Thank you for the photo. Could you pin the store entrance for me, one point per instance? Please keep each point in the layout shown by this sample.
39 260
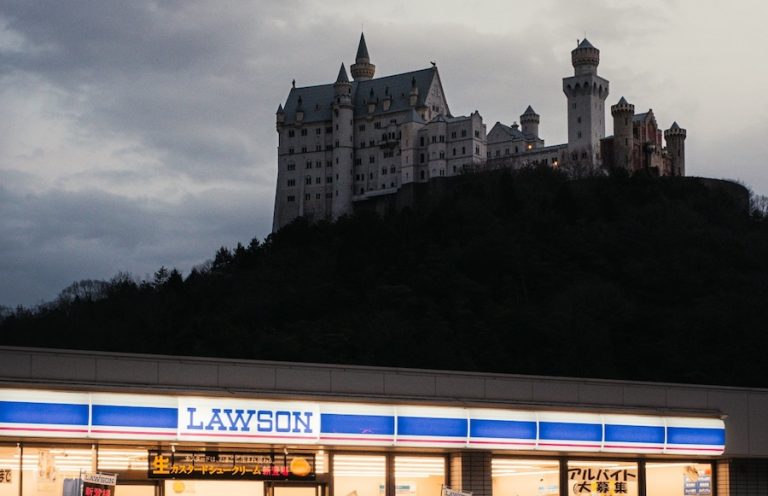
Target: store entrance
295 489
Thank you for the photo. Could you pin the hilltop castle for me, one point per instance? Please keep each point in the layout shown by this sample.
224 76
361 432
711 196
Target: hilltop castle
350 141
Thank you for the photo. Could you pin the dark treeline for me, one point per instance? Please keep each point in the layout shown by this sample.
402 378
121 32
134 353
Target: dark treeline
520 272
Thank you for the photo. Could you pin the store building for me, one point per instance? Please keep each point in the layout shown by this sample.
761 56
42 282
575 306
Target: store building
205 427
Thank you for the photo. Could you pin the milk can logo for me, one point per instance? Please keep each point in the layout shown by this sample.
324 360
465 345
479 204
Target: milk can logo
227 418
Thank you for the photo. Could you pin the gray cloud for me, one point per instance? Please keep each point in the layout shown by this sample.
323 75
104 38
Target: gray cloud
139 134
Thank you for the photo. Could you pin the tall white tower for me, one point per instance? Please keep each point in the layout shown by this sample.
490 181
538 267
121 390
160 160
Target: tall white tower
586 93
343 114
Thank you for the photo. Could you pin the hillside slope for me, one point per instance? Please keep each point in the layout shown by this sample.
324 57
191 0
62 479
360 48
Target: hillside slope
523 272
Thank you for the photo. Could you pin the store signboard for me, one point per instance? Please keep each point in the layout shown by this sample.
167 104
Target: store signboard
207 419
592 480
215 465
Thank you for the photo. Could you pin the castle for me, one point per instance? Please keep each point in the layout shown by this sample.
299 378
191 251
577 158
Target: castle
352 141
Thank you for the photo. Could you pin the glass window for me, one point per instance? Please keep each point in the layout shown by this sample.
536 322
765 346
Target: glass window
358 475
522 477
419 475
589 478
9 471
47 470
678 479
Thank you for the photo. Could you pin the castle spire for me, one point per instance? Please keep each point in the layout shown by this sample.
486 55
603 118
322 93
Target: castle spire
342 77
362 69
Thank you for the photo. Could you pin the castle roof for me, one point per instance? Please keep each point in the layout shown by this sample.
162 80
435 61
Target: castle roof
342 77
362 49
413 116
585 44
623 101
317 100
513 133
675 126
530 111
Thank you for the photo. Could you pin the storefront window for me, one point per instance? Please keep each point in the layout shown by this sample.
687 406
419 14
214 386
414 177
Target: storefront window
116 460
419 475
595 478
47 471
9 471
521 477
678 479
358 475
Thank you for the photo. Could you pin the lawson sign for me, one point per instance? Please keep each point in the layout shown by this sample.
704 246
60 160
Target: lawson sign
35 413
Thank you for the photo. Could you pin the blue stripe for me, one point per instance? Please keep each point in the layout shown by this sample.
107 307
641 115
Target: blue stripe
502 429
430 426
566 431
357 424
634 434
695 435
22 412
135 416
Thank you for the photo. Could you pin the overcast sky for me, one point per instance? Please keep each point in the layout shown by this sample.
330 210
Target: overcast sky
135 134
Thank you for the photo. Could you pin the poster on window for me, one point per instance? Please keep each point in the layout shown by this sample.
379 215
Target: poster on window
596 481
98 484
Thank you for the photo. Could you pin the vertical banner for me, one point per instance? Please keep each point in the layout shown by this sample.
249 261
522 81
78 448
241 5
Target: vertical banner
99 484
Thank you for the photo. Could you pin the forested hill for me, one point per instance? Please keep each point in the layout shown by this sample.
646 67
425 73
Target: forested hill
519 272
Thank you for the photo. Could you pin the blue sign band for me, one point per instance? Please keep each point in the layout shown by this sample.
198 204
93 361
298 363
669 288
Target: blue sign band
695 435
135 416
567 431
22 412
336 423
431 426
634 434
502 429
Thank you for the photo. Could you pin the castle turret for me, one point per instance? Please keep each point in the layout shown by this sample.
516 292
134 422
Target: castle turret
623 139
586 93
675 138
341 203
530 122
413 96
279 117
362 69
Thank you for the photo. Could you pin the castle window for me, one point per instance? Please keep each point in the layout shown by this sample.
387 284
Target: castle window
372 143
370 175
318 148
506 151
442 154
362 144
442 172
498 153
453 134
307 196
377 125
291 198
329 180
392 184
318 164
291 182
307 180
290 151
362 191
383 186
477 150
434 139
579 134
328 147
383 171
358 161
421 158
303 132
442 138
318 131
583 154
318 180
361 127
393 121
291 133
454 169
371 159
317 196
578 119
463 133
328 129
454 152
488 154
328 163
463 150
421 141
308 164
328 195
336 143
303 149
477 134
392 170
291 167
422 174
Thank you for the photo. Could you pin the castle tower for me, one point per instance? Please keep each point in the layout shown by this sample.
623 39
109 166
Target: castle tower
343 110
586 93
623 139
530 122
675 138
362 69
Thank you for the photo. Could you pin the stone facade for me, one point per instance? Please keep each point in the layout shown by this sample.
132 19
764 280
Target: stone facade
350 141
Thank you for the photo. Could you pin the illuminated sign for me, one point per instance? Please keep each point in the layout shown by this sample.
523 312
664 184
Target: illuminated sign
588 481
98 484
229 466
35 413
